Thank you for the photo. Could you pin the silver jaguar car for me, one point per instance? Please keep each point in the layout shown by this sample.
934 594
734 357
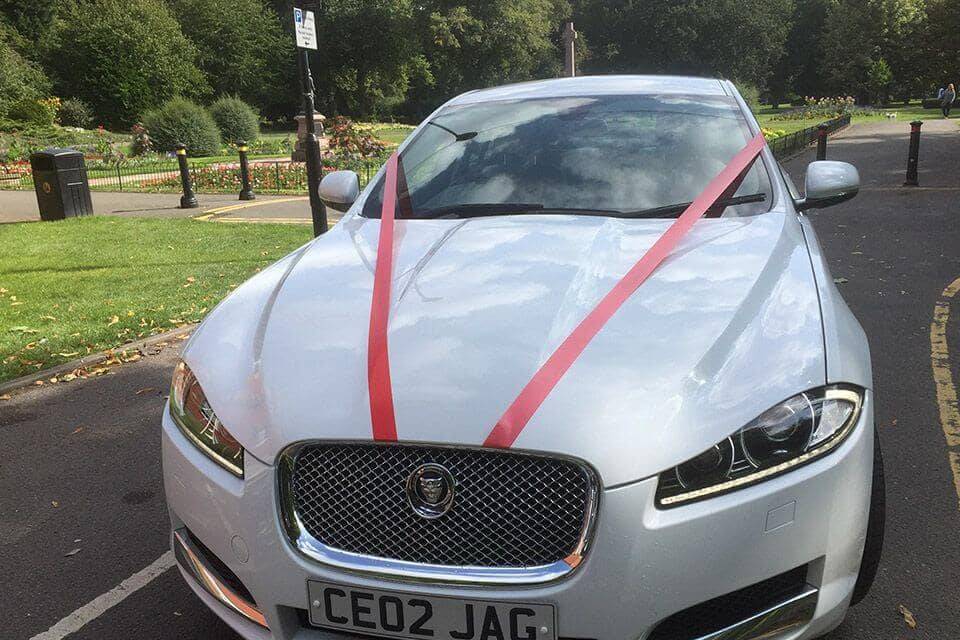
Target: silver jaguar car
571 366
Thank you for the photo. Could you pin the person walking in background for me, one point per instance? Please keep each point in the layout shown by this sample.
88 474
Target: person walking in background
947 100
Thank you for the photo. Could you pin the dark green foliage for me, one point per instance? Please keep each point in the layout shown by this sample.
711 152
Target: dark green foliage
480 43
178 121
75 113
19 78
243 50
34 19
740 39
370 51
236 119
123 57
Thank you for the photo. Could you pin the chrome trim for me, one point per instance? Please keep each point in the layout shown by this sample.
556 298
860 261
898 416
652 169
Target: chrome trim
769 624
401 570
192 561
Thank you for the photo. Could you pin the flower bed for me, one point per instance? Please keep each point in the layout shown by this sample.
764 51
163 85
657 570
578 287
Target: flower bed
824 108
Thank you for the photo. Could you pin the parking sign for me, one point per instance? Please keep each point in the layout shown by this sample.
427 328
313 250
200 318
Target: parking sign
305 28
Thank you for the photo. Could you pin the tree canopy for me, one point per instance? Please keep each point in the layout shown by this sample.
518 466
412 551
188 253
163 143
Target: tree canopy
123 57
403 58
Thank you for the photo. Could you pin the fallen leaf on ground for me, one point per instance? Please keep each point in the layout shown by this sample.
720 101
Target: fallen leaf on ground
908 617
840 280
191 279
5 396
76 431
72 552
145 390
69 355
48 318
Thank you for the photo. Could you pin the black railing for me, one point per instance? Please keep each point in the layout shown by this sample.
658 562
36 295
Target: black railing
787 145
273 176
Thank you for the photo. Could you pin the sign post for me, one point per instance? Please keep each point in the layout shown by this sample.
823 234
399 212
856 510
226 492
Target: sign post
304 23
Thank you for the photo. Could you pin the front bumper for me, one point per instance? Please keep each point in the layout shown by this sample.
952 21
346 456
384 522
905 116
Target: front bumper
644 564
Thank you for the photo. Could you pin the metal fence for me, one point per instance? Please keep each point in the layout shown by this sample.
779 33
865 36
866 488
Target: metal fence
272 176
787 145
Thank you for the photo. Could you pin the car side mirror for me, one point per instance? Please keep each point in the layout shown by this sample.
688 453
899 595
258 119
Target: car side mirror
340 189
829 183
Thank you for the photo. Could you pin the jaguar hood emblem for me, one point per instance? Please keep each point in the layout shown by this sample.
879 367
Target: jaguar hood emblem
430 490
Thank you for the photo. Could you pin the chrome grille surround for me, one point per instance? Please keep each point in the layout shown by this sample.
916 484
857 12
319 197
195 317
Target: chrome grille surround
365 523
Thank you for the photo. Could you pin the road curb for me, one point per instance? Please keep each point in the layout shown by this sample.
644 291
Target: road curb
92 359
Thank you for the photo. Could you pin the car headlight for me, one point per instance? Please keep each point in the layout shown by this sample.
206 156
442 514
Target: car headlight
192 412
792 433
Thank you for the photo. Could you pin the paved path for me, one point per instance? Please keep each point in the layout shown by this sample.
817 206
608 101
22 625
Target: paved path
92 446
21 206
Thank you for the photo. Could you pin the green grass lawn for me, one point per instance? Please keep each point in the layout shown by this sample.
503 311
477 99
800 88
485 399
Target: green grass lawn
85 285
905 113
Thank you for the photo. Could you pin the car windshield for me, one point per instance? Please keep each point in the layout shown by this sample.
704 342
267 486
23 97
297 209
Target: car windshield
623 155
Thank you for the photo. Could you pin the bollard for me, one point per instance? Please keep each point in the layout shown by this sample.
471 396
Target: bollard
822 142
188 200
246 190
913 160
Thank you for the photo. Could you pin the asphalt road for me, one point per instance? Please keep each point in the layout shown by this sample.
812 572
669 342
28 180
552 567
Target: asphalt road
80 469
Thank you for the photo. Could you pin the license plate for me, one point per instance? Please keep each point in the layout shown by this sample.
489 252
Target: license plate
408 615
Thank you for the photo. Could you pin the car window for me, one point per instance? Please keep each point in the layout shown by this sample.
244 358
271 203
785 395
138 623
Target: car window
612 154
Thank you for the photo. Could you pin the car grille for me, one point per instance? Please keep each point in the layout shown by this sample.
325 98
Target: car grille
509 510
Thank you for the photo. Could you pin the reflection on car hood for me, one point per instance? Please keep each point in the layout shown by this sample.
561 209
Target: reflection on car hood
726 327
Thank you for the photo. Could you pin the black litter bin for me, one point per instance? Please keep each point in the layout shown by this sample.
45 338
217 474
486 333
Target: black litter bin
60 180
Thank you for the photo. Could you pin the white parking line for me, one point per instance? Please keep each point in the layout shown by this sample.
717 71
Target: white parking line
102 603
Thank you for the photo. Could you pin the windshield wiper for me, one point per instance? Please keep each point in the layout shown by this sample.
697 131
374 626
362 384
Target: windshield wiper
469 135
487 209
480 210
674 210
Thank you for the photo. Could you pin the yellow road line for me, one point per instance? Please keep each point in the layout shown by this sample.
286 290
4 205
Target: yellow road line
268 220
219 211
943 378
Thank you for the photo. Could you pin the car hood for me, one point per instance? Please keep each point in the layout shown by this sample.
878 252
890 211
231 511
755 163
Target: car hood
726 327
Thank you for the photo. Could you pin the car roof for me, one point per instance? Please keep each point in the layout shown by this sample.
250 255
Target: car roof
596 85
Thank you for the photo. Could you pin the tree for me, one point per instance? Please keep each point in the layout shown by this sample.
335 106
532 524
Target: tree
942 51
123 57
33 19
471 44
19 78
799 70
370 53
867 41
739 39
242 50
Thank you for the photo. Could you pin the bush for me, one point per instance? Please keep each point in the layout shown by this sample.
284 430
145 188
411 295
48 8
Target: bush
75 113
40 112
347 137
179 120
236 119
